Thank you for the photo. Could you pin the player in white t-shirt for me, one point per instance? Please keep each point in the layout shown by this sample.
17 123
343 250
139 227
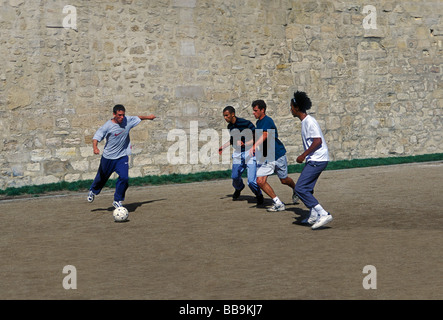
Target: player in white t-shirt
317 157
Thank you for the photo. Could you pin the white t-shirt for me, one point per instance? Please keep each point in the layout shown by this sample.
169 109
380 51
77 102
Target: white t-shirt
310 129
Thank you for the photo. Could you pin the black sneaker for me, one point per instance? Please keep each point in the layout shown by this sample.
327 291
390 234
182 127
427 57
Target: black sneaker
237 194
260 200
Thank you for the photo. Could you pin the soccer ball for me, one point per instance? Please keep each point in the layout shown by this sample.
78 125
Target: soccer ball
120 214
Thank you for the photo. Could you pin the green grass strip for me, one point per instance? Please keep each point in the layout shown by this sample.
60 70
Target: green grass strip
212 175
373 162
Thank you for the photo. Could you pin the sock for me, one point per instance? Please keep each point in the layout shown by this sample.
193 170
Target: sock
313 212
277 200
320 210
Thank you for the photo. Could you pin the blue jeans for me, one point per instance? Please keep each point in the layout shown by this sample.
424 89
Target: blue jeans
237 171
106 169
307 180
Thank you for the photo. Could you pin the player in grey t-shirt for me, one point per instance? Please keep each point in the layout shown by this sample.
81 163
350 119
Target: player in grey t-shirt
115 153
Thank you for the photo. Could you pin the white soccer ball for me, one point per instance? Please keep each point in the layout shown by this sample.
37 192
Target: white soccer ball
120 214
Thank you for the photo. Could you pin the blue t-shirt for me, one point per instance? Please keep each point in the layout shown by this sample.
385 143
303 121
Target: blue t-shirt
118 143
267 124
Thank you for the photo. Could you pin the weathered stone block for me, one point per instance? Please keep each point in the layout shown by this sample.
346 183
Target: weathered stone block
190 92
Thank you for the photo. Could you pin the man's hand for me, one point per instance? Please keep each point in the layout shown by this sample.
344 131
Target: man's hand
252 151
94 147
316 143
300 159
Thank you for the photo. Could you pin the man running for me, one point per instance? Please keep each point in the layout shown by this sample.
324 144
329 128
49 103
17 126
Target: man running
270 161
316 155
241 130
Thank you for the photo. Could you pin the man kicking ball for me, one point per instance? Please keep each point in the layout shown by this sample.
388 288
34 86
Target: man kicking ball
115 154
317 157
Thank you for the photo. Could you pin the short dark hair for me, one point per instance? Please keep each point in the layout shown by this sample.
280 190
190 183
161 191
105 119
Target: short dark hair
118 107
302 101
260 104
230 109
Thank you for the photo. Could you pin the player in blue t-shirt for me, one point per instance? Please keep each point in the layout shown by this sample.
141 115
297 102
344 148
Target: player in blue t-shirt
115 153
271 155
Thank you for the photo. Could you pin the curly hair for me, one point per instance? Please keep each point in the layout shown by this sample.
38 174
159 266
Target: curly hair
302 101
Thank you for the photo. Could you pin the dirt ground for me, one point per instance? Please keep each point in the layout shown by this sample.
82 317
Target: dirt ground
192 241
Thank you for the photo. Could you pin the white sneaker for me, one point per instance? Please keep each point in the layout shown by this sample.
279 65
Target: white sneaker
312 218
91 196
117 204
277 207
321 221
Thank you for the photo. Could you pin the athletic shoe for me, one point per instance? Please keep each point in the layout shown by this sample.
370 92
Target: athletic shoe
260 200
237 193
91 196
277 207
295 198
322 220
311 219
117 204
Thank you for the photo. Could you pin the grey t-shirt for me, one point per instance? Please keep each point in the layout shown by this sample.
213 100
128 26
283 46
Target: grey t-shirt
118 143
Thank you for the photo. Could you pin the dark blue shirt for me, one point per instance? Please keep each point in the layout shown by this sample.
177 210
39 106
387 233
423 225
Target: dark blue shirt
241 124
266 124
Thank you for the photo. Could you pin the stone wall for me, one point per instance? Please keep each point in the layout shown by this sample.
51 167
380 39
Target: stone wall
373 70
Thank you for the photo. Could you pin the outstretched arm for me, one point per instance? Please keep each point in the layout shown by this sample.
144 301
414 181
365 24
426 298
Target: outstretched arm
150 117
227 144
